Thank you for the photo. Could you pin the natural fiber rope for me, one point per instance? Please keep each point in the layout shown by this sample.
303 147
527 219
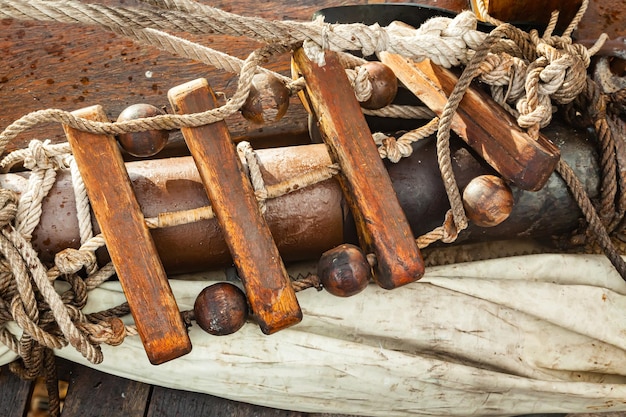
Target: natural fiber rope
551 59
298 182
445 123
254 171
595 224
164 122
82 203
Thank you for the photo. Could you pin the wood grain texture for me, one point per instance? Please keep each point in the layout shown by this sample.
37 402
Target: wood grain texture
381 223
129 243
55 65
95 394
169 403
267 284
482 123
14 394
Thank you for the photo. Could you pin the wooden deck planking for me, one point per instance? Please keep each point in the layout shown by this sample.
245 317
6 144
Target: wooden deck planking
93 393
173 403
14 394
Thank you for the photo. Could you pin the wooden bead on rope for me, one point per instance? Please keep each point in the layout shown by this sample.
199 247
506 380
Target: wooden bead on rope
344 270
384 85
268 100
221 309
142 144
488 200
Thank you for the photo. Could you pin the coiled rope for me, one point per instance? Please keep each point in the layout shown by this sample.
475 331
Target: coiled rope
527 73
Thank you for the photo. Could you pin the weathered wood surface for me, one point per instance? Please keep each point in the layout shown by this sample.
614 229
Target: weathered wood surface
53 65
481 122
268 286
382 225
14 394
129 243
92 393
95 394
166 402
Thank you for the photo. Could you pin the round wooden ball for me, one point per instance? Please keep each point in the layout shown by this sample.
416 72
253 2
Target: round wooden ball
488 200
384 85
344 270
268 100
221 309
142 144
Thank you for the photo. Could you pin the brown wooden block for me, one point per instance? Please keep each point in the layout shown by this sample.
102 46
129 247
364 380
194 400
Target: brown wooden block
129 243
267 284
482 123
382 225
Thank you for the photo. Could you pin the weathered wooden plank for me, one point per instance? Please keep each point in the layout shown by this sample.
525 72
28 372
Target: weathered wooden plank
481 122
268 287
129 243
55 65
166 402
14 394
382 225
95 394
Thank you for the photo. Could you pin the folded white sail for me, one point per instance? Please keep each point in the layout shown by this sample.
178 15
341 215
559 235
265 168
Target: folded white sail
529 334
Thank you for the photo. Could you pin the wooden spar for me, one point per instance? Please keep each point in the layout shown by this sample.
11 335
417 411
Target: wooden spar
481 122
310 221
268 287
381 224
129 243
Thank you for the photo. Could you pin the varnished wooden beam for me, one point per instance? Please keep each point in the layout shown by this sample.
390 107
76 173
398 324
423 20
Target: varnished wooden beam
481 122
382 225
267 284
129 243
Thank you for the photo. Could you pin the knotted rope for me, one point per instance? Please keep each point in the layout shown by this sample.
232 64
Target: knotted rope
527 74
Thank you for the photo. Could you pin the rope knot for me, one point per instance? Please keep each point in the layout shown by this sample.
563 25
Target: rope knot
360 80
112 332
564 74
41 156
387 147
69 261
381 38
8 206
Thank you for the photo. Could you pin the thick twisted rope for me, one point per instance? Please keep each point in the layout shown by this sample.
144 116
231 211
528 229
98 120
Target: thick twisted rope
445 122
165 122
595 223
442 41
553 72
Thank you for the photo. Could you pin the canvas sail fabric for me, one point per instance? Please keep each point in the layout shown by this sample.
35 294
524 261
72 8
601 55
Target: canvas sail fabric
521 335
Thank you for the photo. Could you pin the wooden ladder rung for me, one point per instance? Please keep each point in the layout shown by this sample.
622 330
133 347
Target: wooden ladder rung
267 284
129 242
381 223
